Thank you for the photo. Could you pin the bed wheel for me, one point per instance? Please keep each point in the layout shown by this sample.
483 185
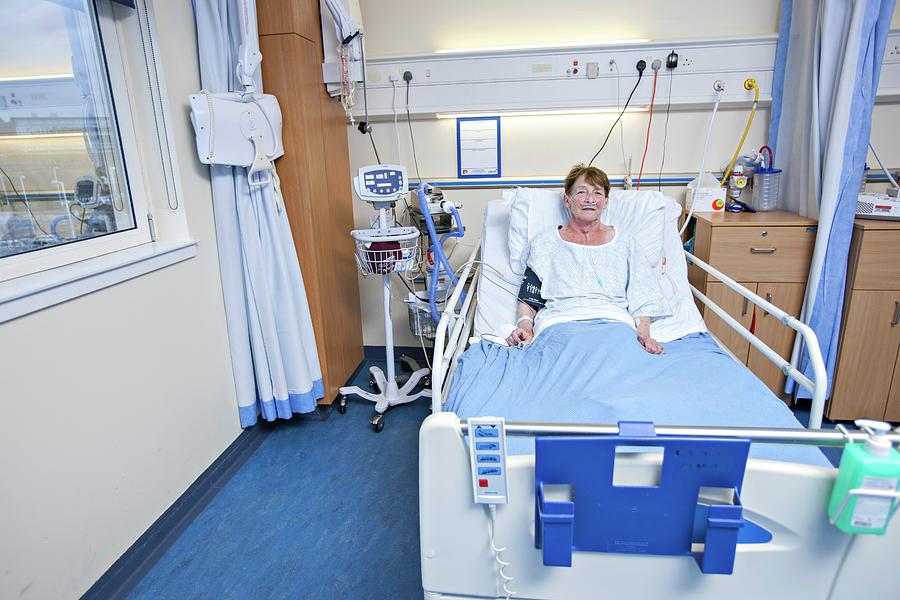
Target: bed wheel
342 405
426 381
378 423
373 385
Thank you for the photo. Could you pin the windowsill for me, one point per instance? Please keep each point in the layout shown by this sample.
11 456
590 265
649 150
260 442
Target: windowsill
31 293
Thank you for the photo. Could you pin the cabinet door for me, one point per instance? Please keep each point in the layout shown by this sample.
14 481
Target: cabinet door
892 412
867 357
789 298
736 306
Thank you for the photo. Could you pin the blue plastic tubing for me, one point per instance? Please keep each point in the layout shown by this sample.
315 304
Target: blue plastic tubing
437 249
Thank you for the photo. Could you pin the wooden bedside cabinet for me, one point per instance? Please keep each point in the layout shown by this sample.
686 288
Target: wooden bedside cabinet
867 375
769 253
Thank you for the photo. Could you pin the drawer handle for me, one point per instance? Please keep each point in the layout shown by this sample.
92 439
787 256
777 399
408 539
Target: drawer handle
747 306
769 300
763 250
896 314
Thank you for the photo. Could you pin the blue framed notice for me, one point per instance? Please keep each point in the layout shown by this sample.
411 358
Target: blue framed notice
477 147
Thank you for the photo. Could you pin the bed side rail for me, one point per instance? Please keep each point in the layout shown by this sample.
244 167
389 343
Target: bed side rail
453 329
818 385
757 435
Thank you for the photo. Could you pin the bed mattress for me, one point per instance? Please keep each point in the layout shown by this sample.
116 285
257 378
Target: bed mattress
596 372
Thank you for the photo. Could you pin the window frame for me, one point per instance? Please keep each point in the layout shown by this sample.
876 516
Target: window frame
37 261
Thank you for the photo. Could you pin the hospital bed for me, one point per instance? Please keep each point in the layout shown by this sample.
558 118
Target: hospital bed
783 493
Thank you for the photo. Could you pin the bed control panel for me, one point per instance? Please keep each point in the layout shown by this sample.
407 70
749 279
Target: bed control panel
487 452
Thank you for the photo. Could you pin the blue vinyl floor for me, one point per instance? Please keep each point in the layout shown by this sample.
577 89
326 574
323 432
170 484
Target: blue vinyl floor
323 509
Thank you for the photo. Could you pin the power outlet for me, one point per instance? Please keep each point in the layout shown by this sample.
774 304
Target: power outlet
685 63
893 53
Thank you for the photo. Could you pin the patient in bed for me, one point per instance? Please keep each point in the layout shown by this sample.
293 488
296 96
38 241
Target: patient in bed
587 270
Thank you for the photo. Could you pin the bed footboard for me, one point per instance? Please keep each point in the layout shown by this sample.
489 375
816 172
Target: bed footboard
806 558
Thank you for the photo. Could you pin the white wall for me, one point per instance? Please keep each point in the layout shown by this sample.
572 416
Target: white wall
115 402
547 146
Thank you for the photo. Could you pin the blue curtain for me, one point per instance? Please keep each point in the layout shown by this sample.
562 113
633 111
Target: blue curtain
827 65
273 350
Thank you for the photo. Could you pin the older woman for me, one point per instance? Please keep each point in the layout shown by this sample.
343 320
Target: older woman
587 270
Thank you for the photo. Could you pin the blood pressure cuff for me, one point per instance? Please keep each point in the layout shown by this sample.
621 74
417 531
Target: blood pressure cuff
530 290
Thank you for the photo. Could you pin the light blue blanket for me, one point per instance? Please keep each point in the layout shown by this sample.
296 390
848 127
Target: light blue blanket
596 372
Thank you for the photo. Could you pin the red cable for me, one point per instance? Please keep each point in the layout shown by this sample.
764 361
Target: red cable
649 122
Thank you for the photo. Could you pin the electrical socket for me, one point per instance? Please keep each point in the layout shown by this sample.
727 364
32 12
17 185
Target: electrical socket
685 63
893 54
394 76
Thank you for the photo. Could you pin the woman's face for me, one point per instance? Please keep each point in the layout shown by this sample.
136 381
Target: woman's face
585 201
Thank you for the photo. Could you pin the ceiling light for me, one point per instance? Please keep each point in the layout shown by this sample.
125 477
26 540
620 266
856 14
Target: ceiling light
39 136
36 77
540 112
543 46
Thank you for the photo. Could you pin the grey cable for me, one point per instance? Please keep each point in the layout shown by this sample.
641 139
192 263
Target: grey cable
665 134
362 49
411 136
621 124
619 118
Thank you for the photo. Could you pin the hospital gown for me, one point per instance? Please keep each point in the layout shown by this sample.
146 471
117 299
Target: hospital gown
612 281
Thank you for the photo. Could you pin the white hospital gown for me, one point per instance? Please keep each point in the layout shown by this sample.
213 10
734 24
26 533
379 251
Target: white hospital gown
613 281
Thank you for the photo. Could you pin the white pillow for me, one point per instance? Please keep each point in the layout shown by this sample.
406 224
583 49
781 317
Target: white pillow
640 213
498 286
643 215
685 318
532 210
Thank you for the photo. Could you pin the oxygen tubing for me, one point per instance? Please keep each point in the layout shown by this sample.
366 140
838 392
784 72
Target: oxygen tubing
720 89
749 84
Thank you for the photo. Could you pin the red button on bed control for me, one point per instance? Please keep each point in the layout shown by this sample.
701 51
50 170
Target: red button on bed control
482 483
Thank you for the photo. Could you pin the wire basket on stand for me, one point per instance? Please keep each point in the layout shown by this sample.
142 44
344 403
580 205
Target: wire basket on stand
385 251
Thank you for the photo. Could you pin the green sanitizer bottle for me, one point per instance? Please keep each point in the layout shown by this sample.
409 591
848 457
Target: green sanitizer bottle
873 466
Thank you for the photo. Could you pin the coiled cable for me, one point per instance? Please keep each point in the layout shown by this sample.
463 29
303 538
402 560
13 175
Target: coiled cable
502 564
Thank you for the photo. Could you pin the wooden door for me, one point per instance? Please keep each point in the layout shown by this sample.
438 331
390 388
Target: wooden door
892 411
736 306
789 298
867 359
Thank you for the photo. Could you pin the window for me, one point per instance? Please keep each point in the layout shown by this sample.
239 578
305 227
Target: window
66 137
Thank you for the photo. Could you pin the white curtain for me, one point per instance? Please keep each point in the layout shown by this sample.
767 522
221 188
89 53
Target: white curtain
826 73
273 350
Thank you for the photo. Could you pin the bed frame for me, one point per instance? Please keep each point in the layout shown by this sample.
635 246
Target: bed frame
807 557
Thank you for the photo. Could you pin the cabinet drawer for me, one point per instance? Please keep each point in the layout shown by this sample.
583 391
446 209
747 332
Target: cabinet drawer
776 254
878 267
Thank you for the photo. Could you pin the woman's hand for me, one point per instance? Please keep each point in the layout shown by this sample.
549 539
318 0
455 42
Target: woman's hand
644 338
649 344
520 335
